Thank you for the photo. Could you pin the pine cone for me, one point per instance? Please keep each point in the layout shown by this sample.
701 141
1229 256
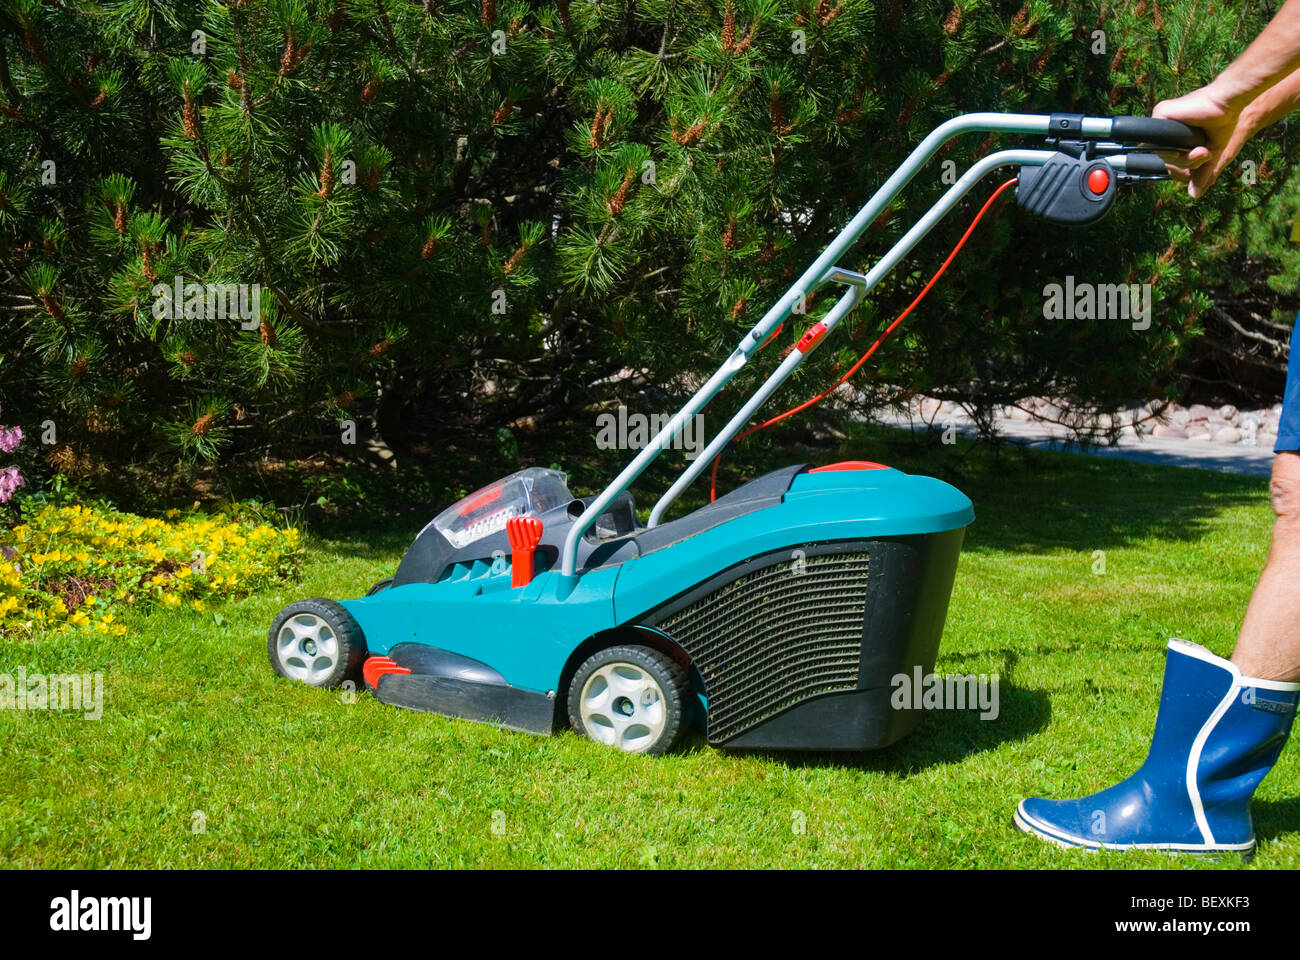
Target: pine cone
617 201
369 91
429 249
953 21
203 425
831 14
596 138
744 44
729 28
729 236
489 12
327 175
268 333
190 117
293 54
55 310
691 136
779 125
516 258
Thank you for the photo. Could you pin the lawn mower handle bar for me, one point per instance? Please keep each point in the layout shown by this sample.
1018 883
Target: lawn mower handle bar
824 270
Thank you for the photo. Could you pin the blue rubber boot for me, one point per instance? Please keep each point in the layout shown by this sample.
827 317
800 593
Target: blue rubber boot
1217 736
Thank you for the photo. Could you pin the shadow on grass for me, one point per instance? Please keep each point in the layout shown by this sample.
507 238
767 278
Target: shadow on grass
943 736
1275 819
374 540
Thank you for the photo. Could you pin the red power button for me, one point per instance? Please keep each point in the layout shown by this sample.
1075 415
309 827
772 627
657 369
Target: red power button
1098 180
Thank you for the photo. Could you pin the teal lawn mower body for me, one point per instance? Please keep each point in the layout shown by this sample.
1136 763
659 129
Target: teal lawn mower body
765 639
776 617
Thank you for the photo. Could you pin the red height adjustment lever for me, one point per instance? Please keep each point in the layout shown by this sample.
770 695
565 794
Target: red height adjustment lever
524 534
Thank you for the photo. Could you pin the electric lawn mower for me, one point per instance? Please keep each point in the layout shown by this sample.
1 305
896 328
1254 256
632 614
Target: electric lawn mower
776 615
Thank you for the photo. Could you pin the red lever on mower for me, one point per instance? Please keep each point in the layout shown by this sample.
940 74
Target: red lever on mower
524 534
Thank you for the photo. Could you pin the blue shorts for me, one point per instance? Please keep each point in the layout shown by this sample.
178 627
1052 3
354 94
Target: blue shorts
1288 430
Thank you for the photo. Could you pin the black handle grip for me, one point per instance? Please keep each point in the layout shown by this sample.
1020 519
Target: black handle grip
1156 131
1144 165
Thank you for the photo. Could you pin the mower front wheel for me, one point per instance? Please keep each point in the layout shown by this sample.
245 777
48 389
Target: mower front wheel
631 697
316 641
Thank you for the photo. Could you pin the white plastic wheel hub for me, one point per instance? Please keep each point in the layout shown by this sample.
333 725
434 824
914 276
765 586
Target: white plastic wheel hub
307 648
623 706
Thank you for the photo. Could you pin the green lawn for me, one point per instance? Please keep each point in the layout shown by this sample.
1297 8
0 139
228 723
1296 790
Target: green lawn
288 776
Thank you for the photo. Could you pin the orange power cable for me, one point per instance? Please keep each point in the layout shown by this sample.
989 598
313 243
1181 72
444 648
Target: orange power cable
713 480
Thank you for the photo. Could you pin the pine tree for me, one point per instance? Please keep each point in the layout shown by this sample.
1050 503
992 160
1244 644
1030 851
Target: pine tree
468 215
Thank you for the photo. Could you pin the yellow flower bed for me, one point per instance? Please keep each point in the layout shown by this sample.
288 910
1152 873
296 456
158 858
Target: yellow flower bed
68 567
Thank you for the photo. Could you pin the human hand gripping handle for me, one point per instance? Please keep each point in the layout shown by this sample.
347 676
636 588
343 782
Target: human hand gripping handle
1225 134
1259 87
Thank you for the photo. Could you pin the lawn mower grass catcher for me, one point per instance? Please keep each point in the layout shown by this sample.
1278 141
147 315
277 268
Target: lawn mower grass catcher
775 616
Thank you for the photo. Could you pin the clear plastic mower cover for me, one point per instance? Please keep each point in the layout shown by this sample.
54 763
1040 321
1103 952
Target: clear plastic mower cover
526 493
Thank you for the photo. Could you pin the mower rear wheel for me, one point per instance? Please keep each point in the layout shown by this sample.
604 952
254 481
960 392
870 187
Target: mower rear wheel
317 642
631 697
380 586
